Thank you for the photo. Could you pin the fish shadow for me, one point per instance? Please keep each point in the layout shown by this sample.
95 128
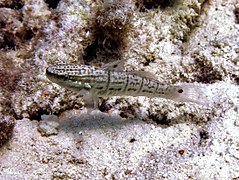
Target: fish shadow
95 121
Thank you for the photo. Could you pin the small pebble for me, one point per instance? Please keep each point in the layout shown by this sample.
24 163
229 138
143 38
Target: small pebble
48 125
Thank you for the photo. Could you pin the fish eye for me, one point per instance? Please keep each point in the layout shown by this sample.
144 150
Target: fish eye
180 91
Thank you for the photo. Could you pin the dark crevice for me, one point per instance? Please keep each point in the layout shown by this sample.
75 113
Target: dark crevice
236 12
36 115
204 136
91 52
146 63
8 42
237 80
160 119
29 34
148 59
105 107
2 24
52 3
132 140
108 45
127 111
12 4
235 77
17 38
144 5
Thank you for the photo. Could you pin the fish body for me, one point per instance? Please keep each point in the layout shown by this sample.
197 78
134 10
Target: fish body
94 81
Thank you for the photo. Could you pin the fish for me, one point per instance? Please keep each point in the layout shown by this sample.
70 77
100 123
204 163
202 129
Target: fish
93 82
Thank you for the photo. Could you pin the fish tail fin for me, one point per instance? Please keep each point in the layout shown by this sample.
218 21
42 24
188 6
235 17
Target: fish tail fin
189 92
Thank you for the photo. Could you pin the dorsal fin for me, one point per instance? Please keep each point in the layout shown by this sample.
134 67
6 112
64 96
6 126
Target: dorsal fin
145 74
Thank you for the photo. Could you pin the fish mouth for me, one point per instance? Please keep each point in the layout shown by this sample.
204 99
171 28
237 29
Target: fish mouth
55 75
50 71
50 75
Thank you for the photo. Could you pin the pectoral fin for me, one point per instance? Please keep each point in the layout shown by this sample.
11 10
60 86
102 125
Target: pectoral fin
91 100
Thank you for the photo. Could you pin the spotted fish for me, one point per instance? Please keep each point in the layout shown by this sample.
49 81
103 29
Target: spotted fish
93 82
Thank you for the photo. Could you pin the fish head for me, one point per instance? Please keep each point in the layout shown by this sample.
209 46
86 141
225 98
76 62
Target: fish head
66 76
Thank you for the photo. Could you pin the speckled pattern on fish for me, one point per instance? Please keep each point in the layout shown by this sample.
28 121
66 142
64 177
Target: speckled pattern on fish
104 82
